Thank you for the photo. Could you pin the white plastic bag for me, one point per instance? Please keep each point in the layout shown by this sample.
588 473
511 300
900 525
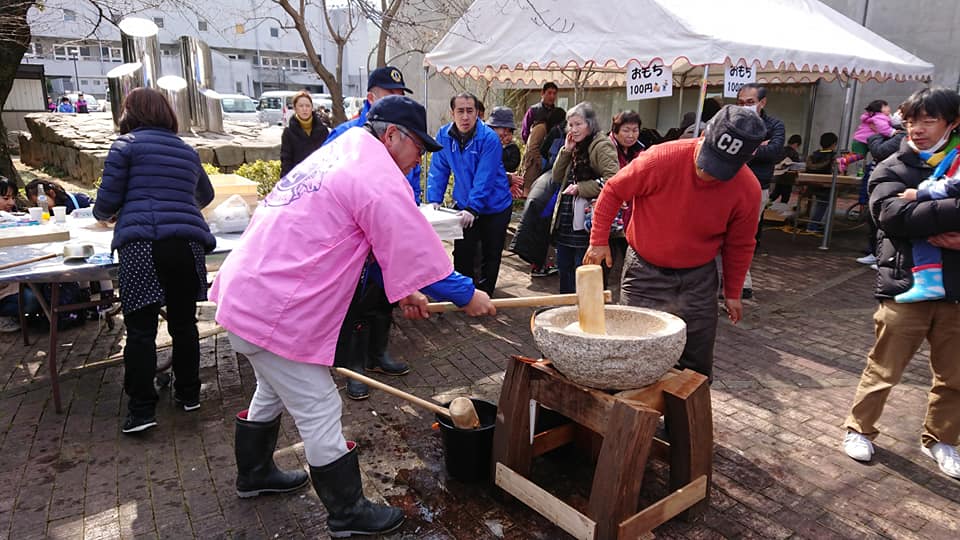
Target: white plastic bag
232 215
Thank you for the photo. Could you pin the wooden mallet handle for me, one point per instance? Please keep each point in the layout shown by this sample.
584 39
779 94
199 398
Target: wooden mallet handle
464 417
523 301
28 261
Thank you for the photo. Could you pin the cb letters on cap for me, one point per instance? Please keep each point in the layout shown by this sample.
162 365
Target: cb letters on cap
729 144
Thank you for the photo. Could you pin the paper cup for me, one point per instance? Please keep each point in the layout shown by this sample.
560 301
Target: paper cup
36 213
60 214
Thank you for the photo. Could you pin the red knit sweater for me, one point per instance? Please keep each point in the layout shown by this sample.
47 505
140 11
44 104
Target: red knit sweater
680 220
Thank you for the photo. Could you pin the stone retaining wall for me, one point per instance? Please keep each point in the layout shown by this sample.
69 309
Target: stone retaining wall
78 144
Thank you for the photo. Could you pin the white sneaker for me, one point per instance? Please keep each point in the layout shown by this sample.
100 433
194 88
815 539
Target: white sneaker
868 259
873 266
945 456
9 324
858 446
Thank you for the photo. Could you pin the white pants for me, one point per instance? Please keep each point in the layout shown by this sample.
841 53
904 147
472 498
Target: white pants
747 281
307 391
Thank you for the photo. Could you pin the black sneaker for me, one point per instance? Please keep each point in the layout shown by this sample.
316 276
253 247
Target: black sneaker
746 294
136 424
187 404
543 271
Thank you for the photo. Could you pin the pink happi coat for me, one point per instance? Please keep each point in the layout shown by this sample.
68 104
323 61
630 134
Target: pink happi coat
286 288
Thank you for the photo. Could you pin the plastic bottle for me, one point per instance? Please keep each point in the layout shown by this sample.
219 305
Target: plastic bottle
42 202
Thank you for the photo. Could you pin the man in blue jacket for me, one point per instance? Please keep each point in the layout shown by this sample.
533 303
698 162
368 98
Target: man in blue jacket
382 82
481 191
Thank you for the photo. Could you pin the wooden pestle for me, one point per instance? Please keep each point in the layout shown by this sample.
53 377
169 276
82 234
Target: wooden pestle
461 412
590 299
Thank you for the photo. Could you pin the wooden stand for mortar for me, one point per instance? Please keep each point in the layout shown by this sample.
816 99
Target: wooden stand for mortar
627 422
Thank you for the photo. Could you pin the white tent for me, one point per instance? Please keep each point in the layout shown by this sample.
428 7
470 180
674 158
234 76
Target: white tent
529 41
589 43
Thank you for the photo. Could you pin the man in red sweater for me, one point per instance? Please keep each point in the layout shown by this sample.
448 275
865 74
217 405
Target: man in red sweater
692 200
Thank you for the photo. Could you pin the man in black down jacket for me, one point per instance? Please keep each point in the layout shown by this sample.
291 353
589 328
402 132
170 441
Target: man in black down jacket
931 116
754 96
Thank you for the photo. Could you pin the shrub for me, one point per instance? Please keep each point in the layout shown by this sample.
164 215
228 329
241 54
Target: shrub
265 173
210 168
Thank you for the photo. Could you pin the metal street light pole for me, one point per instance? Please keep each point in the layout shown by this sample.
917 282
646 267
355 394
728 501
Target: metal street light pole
76 75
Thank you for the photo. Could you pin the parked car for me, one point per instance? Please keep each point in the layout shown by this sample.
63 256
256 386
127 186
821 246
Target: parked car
239 108
92 104
275 106
352 106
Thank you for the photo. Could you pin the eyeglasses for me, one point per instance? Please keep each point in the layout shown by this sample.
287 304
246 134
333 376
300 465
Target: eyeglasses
925 122
420 147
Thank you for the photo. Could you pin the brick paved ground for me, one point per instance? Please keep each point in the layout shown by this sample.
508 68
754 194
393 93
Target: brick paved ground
784 380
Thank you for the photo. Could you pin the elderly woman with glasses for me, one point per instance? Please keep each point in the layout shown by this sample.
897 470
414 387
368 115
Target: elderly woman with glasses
587 160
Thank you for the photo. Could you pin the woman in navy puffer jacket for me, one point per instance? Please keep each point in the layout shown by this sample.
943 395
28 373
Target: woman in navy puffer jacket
154 187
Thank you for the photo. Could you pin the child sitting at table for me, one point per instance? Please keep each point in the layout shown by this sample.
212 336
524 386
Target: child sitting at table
57 195
821 162
927 269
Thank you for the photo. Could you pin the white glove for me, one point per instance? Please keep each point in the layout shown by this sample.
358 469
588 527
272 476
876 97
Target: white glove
466 219
434 205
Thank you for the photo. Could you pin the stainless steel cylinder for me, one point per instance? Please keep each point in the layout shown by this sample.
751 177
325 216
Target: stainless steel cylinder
198 71
122 80
175 90
139 42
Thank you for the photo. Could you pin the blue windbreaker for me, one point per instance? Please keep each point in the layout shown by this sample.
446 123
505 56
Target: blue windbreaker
480 181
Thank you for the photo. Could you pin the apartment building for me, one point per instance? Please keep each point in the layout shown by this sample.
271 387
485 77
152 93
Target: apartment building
252 51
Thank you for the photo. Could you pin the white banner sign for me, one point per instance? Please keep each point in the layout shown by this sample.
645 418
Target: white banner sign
653 81
735 77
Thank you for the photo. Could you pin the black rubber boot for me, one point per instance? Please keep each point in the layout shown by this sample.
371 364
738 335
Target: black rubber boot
352 347
378 359
257 474
339 486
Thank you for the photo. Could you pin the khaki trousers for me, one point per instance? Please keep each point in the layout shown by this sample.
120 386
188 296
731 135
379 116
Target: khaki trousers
900 330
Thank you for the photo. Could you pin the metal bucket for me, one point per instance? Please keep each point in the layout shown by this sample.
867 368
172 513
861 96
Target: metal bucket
467 452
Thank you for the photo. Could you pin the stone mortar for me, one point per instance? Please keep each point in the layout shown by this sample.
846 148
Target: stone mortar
640 346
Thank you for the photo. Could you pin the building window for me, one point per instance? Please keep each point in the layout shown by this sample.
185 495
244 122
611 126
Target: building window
111 54
202 26
158 21
274 32
97 82
34 50
239 87
232 56
69 15
64 52
84 82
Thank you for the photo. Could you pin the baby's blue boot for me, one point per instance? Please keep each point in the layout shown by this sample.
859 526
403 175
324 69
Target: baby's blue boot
927 285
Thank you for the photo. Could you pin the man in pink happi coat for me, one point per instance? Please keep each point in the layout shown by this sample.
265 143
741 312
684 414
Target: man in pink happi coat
283 293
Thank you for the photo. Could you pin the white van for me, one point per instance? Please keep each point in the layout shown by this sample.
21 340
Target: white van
239 108
275 105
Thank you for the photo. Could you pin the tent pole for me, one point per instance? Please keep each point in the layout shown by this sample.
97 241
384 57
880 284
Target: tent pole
846 119
703 96
808 125
683 79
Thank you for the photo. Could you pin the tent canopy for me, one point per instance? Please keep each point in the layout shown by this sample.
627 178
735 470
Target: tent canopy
529 42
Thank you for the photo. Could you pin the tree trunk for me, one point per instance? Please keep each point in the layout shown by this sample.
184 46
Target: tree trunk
389 13
14 39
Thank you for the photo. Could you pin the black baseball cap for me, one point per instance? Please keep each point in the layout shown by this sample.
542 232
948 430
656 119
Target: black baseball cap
387 77
404 111
729 141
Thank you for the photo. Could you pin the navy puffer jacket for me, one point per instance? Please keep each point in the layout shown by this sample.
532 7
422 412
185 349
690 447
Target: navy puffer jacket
155 182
